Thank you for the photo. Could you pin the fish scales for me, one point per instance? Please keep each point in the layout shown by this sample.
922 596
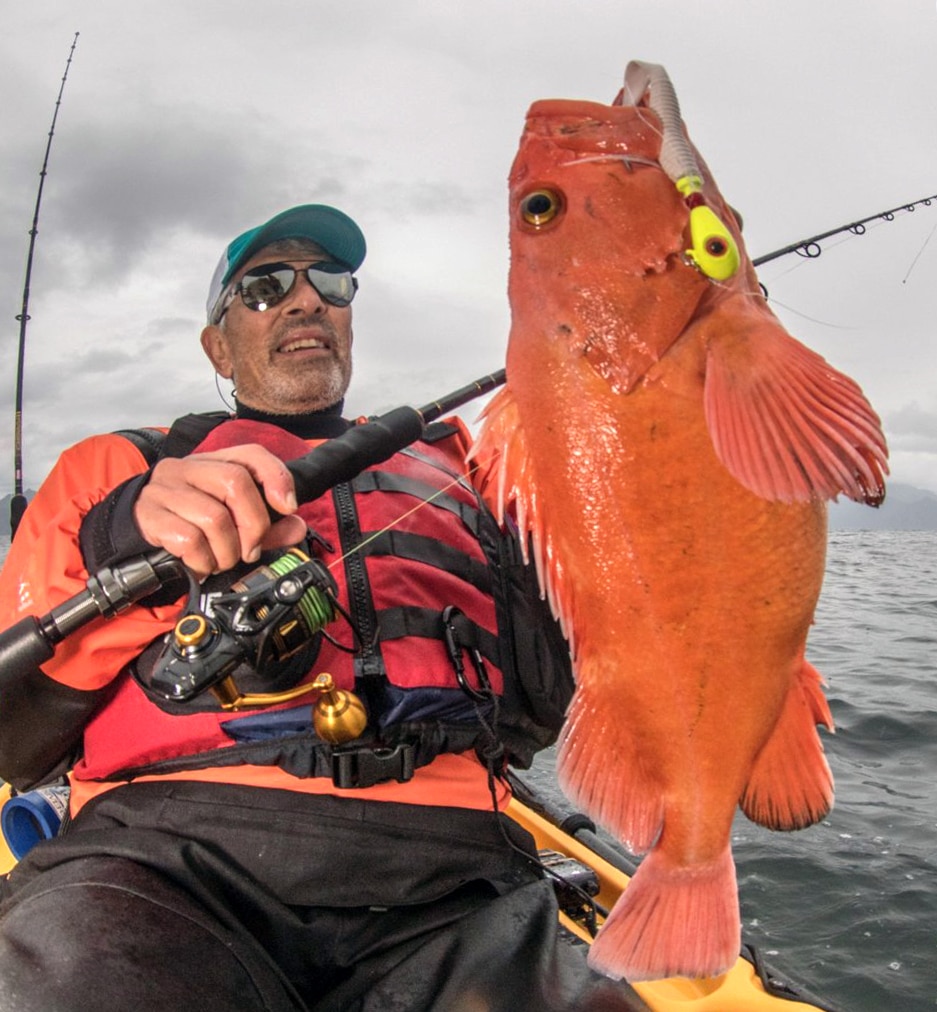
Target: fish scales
669 448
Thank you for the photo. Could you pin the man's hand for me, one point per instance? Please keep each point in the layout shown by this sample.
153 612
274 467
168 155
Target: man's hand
208 508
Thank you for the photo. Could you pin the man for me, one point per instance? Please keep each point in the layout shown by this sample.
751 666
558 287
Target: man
232 859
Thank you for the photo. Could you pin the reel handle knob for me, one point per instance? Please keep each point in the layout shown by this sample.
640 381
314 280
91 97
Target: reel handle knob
339 715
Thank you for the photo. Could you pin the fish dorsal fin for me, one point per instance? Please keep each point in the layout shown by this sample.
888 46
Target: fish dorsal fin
786 424
507 482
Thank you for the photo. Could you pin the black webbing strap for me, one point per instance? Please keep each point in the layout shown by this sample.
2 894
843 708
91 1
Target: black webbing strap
185 434
148 441
387 481
409 620
189 431
419 548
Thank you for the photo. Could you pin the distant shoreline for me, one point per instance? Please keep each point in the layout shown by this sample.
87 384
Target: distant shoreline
906 508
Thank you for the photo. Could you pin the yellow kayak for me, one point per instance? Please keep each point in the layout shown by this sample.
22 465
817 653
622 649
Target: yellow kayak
748 987
7 860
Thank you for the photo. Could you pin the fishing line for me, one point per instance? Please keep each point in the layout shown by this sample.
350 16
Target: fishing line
813 319
639 109
403 516
763 293
628 161
918 257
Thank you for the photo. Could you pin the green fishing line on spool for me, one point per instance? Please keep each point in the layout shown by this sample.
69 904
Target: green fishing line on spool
316 608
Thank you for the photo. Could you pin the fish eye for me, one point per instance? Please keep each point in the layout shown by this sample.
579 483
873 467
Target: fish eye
540 207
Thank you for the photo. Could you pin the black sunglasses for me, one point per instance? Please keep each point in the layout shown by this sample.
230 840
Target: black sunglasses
267 285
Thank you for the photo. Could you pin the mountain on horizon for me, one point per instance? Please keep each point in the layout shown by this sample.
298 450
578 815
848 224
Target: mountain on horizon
906 508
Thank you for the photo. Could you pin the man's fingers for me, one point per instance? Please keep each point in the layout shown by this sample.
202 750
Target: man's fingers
209 510
267 471
285 532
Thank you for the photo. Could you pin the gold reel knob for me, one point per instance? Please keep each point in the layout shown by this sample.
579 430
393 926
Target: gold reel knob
339 715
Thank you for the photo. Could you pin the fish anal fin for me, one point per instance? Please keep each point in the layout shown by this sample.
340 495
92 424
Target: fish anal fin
600 769
791 786
672 920
786 424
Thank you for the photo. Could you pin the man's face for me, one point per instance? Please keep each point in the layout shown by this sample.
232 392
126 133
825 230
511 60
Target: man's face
292 358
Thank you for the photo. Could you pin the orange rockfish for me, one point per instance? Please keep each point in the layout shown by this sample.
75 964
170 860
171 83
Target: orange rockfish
669 449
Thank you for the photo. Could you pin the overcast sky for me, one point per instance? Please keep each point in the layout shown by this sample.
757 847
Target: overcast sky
183 123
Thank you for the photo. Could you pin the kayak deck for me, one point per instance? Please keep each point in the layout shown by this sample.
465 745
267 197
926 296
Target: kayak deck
748 987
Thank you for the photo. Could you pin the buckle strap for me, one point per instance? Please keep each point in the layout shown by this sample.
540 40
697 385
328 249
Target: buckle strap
365 767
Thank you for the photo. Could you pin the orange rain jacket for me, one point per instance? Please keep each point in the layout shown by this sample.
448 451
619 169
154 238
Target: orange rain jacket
127 734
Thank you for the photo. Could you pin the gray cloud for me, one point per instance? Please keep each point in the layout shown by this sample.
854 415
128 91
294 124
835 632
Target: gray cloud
184 123
912 428
128 187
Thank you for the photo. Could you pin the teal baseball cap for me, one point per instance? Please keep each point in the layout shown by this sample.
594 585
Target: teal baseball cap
326 226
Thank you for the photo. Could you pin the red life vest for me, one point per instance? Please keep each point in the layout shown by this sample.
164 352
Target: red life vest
406 539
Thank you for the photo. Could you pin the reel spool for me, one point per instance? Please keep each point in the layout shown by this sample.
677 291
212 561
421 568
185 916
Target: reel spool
267 616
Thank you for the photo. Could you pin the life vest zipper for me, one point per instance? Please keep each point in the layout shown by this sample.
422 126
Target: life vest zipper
368 663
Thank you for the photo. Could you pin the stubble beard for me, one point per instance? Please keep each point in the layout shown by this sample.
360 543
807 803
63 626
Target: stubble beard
315 385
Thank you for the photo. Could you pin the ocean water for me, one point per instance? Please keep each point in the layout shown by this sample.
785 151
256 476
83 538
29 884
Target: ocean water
848 908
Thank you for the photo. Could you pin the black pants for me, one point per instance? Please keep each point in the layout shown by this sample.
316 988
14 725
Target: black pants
127 912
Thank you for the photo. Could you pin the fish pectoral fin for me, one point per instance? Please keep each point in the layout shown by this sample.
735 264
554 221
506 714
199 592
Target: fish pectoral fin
672 920
784 423
600 768
495 453
791 786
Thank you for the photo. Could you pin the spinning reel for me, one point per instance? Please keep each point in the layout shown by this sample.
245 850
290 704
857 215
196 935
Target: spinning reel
266 617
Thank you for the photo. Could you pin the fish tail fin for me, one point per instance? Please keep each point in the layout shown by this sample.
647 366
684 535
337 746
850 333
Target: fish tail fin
600 769
672 921
791 785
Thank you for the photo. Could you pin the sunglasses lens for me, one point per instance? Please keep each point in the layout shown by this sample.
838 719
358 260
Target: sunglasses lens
270 284
333 282
261 291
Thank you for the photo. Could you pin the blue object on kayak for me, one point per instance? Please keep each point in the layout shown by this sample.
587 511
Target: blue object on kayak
28 818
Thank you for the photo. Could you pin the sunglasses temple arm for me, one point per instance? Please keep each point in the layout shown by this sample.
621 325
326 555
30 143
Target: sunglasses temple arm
346 456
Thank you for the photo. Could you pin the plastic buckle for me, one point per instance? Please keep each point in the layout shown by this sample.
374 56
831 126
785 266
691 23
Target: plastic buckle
365 767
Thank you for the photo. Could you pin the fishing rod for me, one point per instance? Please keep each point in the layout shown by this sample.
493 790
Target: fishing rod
32 640
811 248
295 588
346 456
18 503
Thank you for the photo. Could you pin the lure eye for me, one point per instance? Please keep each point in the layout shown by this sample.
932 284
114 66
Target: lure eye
714 251
540 207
